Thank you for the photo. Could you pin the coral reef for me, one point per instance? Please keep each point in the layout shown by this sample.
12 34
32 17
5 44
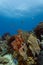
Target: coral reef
24 48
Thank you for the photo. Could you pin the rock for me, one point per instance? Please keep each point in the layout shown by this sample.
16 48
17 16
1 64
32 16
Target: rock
40 58
41 44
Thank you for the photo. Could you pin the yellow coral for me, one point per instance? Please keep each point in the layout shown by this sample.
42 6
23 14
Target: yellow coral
30 61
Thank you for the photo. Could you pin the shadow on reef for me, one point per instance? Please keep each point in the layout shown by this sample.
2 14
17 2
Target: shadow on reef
24 48
39 30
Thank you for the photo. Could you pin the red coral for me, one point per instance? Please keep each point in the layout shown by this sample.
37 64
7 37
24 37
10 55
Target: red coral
16 44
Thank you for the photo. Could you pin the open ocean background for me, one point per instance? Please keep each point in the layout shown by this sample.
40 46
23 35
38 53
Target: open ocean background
20 14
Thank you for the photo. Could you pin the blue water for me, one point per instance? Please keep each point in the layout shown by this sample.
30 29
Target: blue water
15 15
11 25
